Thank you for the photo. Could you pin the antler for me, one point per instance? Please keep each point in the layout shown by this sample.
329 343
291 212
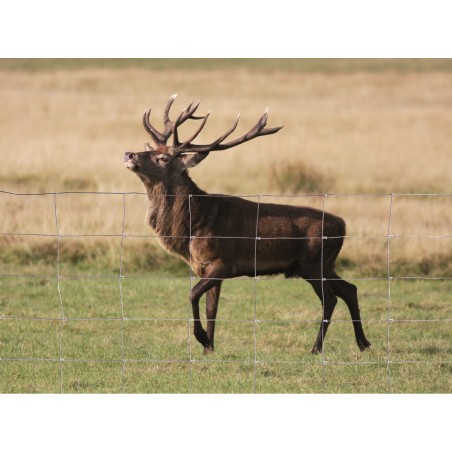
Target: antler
187 146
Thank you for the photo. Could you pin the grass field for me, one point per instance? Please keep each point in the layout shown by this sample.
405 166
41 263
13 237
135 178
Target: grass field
371 127
271 355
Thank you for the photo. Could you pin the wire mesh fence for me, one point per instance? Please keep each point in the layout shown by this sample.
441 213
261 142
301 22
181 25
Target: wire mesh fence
70 327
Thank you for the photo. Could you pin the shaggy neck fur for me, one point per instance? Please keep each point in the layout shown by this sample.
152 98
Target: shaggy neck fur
170 204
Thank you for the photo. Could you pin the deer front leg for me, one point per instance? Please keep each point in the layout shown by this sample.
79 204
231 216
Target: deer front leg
206 284
212 297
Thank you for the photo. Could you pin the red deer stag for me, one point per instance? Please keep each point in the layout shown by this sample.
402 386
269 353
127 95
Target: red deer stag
196 226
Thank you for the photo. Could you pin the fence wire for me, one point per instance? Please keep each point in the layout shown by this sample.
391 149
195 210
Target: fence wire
254 321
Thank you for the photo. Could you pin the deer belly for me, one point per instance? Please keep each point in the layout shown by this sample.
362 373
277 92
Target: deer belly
268 257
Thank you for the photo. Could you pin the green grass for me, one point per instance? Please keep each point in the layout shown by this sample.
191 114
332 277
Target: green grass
156 342
270 356
306 65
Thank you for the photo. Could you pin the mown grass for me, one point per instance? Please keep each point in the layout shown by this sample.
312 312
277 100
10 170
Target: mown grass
146 321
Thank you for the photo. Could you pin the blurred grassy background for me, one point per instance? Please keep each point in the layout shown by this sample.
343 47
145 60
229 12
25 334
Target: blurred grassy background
350 126
331 65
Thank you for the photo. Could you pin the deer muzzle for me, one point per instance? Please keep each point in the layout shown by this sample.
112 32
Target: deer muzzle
128 160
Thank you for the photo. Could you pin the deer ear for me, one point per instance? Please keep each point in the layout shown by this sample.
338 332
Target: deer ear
191 160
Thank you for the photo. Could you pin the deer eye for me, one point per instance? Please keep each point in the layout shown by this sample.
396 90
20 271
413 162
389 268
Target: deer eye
162 157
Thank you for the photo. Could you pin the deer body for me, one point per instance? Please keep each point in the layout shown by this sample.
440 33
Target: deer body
225 236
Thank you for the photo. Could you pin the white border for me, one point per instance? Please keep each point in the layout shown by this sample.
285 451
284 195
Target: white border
224 423
200 28
283 28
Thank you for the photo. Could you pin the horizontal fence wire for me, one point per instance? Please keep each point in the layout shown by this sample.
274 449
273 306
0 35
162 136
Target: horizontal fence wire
254 360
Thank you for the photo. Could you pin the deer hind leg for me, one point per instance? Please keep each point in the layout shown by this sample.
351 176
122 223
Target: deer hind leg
329 301
349 293
212 298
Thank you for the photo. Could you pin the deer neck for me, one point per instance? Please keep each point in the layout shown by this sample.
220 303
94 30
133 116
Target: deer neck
169 211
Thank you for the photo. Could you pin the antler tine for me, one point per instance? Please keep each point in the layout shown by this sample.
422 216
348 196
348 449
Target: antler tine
167 109
168 124
258 126
174 127
156 136
189 112
222 138
186 143
256 131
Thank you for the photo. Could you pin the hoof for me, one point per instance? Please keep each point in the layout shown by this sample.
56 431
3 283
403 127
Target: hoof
202 338
208 350
363 344
315 350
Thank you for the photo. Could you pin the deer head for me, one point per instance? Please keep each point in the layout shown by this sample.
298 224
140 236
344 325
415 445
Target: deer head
155 162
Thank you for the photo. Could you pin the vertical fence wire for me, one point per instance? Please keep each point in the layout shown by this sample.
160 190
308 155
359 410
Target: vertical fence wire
121 298
322 285
388 333
189 315
60 298
255 295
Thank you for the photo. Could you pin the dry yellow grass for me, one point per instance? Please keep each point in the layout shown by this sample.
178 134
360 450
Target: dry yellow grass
372 133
